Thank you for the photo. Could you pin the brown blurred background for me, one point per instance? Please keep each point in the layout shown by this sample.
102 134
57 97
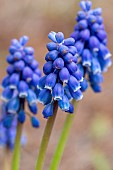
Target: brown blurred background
90 145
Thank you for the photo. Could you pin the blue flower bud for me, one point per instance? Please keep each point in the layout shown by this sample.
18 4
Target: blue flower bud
13 105
94 43
81 68
31 97
96 88
84 85
28 59
63 50
83 24
77 95
41 83
52 37
23 89
15 43
35 122
73 84
5 81
19 65
33 108
67 93
35 80
72 50
75 35
14 80
29 50
91 19
50 81
7 94
95 27
48 110
58 63
7 121
78 75
10 59
83 5
101 34
68 58
17 56
72 67
21 116
86 58
12 49
58 92
48 67
104 52
85 34
69 42
34 64
64 75
45 96
99 20
52 55
96 78
97 11
81 15
88 5
38 72
27 74
105 64
10 69
71 108
52 46
80 46
64 103
59 37
23 40
95 66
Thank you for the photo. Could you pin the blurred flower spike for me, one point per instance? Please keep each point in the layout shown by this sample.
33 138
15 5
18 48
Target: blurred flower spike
91 43
7 135
62 78
20 85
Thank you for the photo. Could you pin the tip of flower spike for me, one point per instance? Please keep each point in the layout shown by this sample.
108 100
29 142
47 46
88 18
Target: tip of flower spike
51 36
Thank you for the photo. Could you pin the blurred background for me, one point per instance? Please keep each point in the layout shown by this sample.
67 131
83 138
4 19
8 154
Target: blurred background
90 145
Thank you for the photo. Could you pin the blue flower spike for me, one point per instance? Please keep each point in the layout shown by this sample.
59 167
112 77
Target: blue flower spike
20 85
8 124
62 75
91 43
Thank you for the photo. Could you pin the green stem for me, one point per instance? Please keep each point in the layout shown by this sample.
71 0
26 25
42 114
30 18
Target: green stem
7 156
62 141
16 152
45 139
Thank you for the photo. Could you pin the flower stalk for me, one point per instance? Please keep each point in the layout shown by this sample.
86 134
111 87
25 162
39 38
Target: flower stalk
16 153
45 139
62 141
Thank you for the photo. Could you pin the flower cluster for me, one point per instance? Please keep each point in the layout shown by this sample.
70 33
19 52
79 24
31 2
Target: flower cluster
20 84
7 135
62 76
91 43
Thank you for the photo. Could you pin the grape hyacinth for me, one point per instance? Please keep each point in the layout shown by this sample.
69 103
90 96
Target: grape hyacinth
62 78
7 135
91 43
20 85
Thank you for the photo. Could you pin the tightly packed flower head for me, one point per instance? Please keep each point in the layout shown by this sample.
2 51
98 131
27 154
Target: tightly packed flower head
7 135
91 43
62 76
20 84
